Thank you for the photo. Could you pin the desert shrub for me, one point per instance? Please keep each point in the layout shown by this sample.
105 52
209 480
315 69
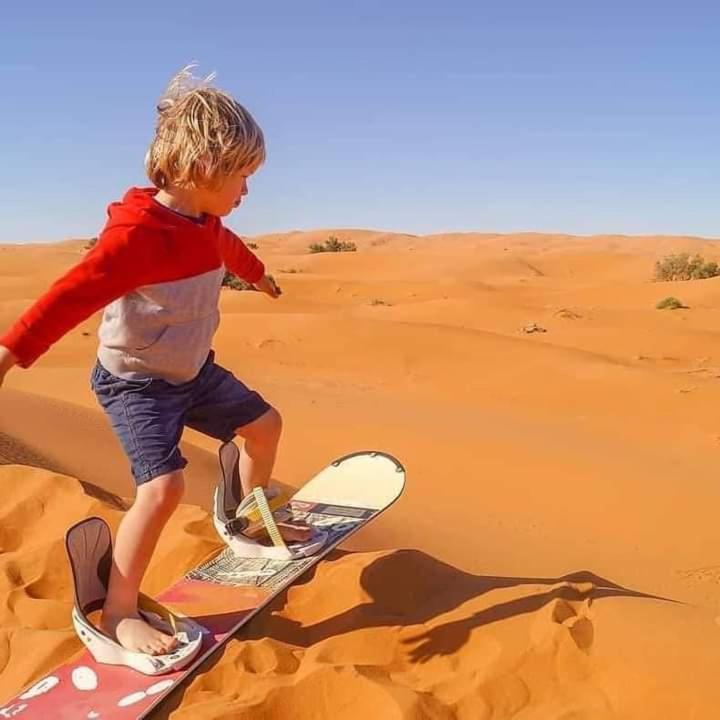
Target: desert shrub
333 244
683 267
669 303
233 282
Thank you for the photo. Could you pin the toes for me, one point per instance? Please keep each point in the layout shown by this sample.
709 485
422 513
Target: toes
168 642
157 648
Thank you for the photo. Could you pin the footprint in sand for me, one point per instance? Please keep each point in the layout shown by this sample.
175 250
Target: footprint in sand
573 616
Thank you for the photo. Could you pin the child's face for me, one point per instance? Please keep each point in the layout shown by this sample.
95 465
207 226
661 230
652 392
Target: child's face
222 200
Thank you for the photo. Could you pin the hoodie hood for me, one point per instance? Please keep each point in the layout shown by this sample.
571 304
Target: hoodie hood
139 208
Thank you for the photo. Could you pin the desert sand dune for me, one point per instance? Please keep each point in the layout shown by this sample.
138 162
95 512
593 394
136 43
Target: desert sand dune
556 553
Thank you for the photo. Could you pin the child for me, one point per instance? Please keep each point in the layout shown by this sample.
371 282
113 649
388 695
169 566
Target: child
157 269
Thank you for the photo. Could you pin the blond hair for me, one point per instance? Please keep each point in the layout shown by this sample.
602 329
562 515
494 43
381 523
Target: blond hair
202 134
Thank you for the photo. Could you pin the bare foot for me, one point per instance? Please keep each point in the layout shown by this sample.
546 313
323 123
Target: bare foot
133 633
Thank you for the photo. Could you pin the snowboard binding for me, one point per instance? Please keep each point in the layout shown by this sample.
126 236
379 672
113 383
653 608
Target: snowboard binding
89 548
249 525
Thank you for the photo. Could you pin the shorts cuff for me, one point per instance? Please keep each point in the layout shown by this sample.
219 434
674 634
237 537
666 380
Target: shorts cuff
150 473
253 408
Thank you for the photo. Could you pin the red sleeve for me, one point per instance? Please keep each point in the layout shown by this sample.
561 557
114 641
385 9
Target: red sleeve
118 263
239 259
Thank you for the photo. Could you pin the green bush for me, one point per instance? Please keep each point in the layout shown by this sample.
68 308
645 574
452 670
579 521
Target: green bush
684 267
333 244
233 282
670 303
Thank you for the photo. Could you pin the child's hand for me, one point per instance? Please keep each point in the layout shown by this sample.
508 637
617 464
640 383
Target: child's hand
7 360
269 287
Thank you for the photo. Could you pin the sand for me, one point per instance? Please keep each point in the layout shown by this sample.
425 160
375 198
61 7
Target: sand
556 553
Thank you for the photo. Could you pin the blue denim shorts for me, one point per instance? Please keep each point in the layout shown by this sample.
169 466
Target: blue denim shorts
149 415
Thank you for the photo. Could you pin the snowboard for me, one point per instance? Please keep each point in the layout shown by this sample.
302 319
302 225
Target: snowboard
222 594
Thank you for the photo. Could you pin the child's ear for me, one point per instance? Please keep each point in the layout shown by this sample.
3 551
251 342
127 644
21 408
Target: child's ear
205 172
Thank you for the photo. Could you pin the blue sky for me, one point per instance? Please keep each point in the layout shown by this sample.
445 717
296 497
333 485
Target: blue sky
409 116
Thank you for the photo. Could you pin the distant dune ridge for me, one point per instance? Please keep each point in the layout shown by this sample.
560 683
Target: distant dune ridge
556 553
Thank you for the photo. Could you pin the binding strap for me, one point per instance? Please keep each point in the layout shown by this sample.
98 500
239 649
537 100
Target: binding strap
267 518
149 605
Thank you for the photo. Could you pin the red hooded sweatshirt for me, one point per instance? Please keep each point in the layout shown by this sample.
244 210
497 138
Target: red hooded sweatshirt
158 275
